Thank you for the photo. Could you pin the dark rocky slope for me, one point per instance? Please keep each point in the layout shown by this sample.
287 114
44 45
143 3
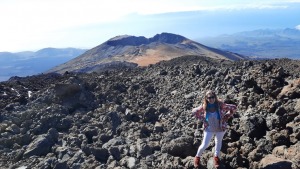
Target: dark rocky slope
141 117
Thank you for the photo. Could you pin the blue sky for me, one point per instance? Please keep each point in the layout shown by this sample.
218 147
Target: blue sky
30 25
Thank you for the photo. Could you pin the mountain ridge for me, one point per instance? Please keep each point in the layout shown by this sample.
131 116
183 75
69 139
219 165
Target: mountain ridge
29 63
262 43
142 51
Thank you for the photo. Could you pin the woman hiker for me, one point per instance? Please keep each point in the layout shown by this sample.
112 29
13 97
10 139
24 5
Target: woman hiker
214 114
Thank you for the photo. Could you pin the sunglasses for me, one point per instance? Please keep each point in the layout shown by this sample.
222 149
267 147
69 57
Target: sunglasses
212 97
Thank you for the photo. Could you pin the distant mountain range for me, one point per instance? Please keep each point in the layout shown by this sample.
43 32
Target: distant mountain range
140 51
266 43
30 63
132 51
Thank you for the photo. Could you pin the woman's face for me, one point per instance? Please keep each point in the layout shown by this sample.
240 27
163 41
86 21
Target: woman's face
211 98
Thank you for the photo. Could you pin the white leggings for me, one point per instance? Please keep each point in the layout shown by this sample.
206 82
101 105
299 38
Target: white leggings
206 139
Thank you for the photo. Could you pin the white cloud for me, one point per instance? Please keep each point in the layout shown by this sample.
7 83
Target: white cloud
298 27
32 23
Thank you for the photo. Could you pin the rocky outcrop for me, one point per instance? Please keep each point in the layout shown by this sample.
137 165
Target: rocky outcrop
168 38
141 117
127 40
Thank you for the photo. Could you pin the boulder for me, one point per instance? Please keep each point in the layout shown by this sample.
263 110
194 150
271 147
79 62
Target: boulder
272 162
180 147
42 145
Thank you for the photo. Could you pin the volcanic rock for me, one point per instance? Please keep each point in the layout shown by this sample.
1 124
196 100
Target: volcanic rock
141 117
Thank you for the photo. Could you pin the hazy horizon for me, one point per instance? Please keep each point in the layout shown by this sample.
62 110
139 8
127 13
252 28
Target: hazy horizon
32 25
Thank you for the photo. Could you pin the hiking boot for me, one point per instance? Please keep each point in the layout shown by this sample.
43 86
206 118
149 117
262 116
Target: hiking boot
217 161
197 162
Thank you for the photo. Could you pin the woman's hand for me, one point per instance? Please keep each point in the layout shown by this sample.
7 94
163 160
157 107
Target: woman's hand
196 111
228 115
